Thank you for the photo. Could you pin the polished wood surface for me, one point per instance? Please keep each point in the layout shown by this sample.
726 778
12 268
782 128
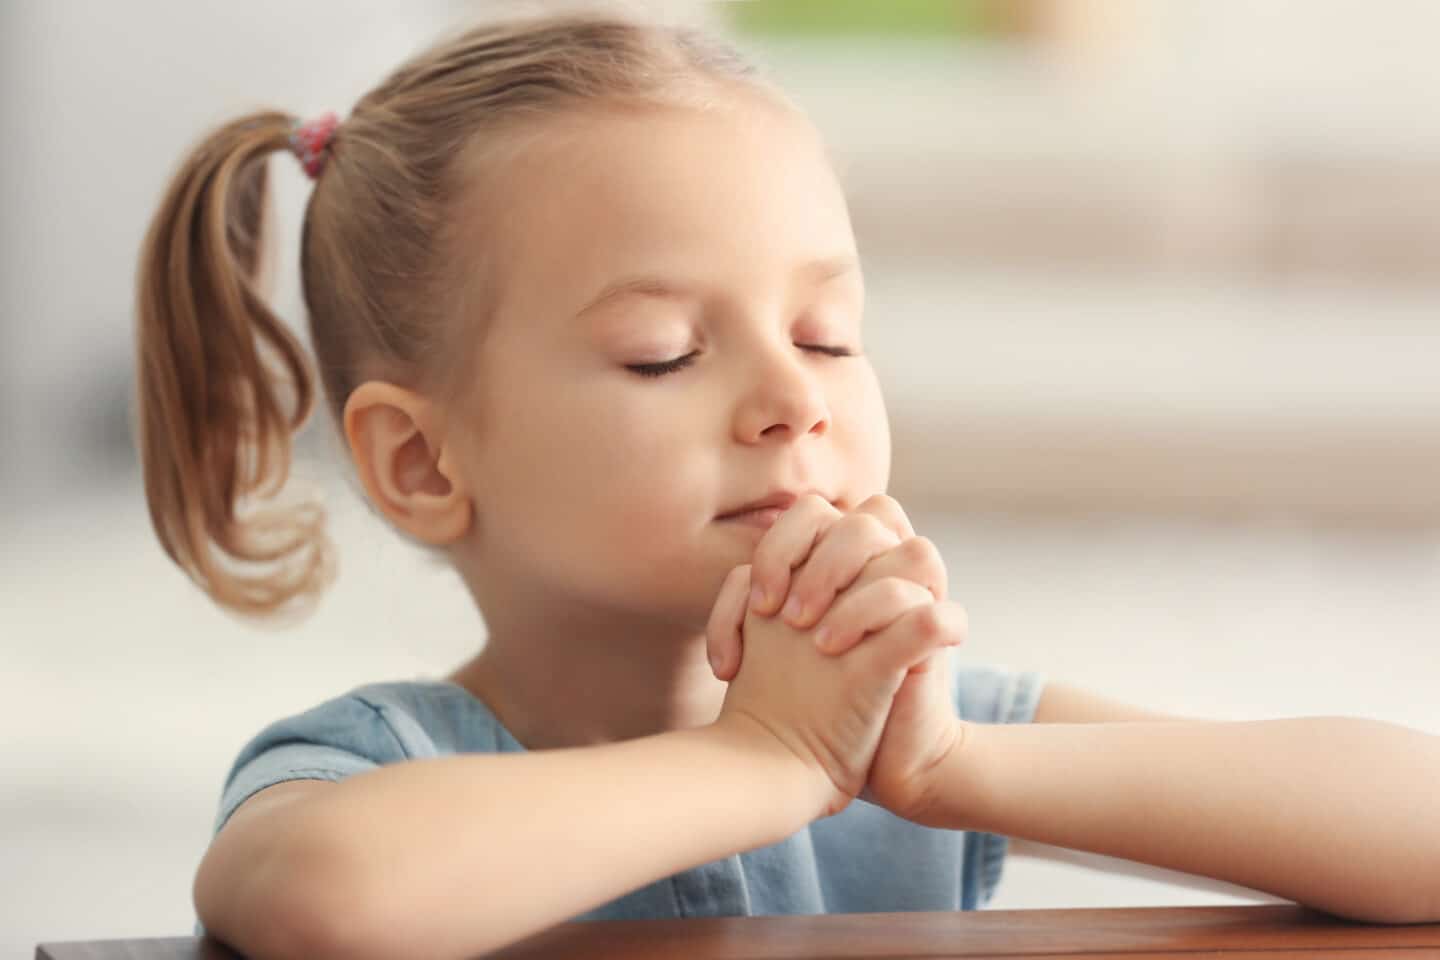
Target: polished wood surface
1267 932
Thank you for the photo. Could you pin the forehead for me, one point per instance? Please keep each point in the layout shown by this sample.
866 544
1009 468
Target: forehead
734 198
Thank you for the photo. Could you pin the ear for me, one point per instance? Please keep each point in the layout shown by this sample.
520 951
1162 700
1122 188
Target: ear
397 441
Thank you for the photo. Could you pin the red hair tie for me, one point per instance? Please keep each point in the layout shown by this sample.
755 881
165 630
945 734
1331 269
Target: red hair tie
308 142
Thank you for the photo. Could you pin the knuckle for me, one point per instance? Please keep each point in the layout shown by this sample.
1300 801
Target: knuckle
921 548
950 622
925 554
880 501
920 555
888 510
959 620
875 529
895 591
928 622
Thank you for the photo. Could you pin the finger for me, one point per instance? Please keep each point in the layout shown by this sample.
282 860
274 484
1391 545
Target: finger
867 609
724 640
784 547
911 639
847 547
887 510
916 559
937 657
857 613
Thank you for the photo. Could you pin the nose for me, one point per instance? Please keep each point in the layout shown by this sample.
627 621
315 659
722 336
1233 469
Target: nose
784 400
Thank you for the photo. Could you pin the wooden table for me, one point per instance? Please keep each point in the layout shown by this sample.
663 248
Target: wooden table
1266 932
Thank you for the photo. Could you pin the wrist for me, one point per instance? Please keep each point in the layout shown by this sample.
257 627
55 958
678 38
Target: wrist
806 789
947 784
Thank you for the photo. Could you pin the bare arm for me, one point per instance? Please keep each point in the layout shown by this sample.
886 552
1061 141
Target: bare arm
460 855
1337 813
1064 703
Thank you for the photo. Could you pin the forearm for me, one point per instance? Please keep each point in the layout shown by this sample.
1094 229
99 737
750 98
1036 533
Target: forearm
1340 814
460 855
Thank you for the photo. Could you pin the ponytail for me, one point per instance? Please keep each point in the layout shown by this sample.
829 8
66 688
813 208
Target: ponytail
222 384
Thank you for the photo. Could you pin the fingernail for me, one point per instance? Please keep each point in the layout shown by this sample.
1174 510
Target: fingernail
794 610
822 639
758 600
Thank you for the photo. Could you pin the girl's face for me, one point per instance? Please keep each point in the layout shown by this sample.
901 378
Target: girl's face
673 286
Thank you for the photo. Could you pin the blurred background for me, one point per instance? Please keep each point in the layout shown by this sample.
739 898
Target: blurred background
1153 291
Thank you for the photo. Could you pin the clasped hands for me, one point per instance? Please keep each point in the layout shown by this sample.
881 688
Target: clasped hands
842 581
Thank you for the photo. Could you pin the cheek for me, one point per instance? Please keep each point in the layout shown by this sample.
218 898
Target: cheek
609 452
865 435
624 514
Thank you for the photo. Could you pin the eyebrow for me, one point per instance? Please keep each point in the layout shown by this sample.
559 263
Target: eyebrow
812 272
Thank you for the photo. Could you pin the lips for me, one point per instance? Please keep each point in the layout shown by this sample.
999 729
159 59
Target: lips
764 517
776 502
780 500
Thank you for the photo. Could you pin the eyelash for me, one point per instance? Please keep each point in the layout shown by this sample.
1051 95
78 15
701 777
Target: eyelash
680 363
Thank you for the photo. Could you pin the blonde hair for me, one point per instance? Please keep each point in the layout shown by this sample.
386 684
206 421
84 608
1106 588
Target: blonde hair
223 385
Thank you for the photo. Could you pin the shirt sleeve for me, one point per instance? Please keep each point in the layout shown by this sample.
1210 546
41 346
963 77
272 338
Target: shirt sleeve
332 741
990 695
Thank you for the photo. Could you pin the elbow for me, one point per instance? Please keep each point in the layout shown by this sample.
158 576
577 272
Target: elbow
291 905
1393 915
339 910
318 935
1416 897
320 913
1423 906
1416 902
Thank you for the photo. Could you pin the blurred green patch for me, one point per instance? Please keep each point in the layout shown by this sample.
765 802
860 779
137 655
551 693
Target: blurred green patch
878 18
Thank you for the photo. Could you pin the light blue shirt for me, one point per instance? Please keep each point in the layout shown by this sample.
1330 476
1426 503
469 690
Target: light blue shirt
861 860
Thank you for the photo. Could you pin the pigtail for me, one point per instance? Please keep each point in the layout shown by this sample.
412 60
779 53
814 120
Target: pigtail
222 384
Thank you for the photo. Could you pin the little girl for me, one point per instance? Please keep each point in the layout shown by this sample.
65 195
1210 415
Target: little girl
586 306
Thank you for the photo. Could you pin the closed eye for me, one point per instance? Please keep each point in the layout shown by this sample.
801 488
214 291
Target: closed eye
679 363
663 367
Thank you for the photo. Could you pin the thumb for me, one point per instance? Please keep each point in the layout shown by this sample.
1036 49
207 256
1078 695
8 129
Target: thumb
723 640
